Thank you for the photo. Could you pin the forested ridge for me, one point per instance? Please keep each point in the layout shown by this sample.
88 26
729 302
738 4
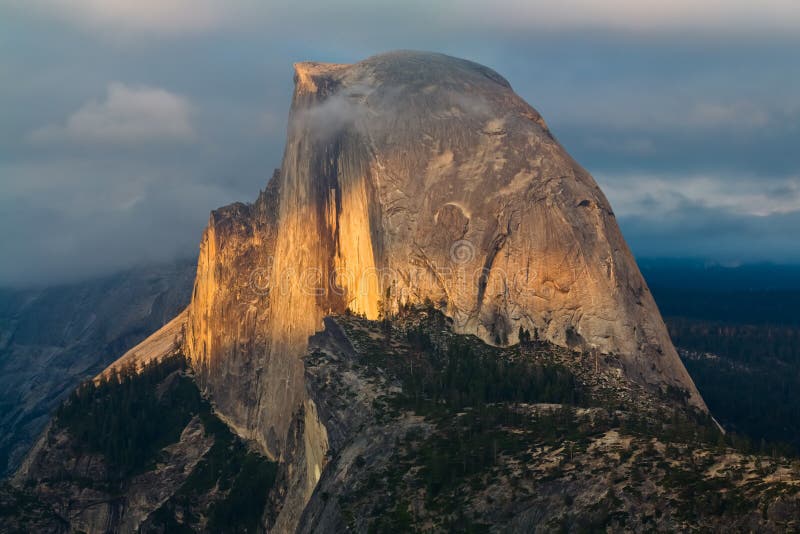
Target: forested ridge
738 333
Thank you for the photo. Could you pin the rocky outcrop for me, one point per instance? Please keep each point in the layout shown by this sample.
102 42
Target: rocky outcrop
163 342
139 451
614 457
228 325
410 177
77 484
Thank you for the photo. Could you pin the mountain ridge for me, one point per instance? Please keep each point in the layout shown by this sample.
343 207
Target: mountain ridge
408 179
500 200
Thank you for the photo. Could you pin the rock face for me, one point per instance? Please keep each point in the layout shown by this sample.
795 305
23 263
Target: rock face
163 342
76 483
228 326
410 177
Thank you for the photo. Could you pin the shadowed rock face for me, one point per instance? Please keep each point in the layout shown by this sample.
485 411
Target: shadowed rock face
413 176
51 339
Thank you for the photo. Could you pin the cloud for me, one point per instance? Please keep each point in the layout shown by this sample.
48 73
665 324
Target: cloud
133 17
669 110
743 114
351 106
715 235
714 217
632 15
73 219
366 108
661 196
128 115
342 109
179 17
674 126
625 145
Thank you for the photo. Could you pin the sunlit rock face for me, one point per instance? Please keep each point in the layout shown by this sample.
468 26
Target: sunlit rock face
413 176
227 332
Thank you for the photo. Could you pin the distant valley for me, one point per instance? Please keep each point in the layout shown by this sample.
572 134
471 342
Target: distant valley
738 332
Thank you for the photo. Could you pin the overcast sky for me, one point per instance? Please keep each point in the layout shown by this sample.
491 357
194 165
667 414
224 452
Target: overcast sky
123 123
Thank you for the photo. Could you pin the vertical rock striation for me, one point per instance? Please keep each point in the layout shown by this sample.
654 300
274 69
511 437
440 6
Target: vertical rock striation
227 328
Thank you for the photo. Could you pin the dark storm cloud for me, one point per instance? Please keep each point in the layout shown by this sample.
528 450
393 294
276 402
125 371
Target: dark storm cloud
717 234
123 123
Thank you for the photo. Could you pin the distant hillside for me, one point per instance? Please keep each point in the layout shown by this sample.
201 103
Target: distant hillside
748 294
738 331
52 338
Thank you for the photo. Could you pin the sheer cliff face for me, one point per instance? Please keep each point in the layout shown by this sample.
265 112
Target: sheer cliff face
413 176
227 330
